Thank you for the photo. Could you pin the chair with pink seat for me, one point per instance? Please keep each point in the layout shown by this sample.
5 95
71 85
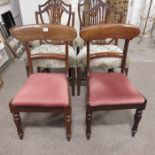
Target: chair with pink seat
111 91
43 92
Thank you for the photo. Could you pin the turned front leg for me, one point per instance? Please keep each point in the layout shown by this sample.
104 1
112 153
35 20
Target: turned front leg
68 123
73 80
78 80
17 121
88 123
137 118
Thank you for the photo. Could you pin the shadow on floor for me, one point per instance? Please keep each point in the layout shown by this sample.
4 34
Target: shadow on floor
43 120
113 117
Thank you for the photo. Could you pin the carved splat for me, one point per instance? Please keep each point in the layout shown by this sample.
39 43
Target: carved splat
54 11
92 12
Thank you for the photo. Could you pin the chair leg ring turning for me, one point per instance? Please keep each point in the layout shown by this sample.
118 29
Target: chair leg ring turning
17 121
137 118
88 124
68 123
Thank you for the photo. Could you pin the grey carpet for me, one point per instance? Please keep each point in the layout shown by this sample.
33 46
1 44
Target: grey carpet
45 133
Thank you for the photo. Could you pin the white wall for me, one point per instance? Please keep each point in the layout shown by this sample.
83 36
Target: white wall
3 9
28 8
15 9
138 8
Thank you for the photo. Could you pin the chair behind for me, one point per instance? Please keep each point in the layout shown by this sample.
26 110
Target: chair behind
55 12
97 12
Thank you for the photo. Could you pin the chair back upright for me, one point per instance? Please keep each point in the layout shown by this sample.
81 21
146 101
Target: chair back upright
55 12
59 33
103 31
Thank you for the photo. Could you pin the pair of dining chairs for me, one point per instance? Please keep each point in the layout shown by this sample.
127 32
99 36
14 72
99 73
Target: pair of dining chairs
49 92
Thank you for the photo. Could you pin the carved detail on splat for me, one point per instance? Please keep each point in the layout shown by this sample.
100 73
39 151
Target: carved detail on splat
54 10
93 13
97 12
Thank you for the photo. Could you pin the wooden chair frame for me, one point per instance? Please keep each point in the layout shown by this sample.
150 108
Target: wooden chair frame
98 13
45 31
103 31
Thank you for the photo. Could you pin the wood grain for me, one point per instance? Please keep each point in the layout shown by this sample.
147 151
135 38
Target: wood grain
103 31
44 32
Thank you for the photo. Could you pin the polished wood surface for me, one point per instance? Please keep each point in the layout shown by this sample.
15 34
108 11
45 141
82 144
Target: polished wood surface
43 32
48 56
103 31
106 55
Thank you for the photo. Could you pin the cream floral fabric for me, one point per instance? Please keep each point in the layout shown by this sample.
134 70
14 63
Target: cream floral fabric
57 49
105 63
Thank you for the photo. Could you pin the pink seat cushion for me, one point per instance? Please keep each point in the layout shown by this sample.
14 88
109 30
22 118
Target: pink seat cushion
43 90
112 89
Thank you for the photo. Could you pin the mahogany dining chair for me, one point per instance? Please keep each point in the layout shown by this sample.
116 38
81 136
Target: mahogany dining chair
111 91
43 92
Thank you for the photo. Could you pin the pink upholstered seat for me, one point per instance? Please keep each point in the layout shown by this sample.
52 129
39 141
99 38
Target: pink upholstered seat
112 89
43 90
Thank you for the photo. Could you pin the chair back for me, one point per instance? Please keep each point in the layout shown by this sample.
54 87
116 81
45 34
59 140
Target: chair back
28 33
55 12
103 31
94 12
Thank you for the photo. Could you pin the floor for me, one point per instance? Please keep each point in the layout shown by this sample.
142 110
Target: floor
45 133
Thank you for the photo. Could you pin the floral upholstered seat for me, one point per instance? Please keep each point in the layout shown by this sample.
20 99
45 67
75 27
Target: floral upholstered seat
105 63
56 49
